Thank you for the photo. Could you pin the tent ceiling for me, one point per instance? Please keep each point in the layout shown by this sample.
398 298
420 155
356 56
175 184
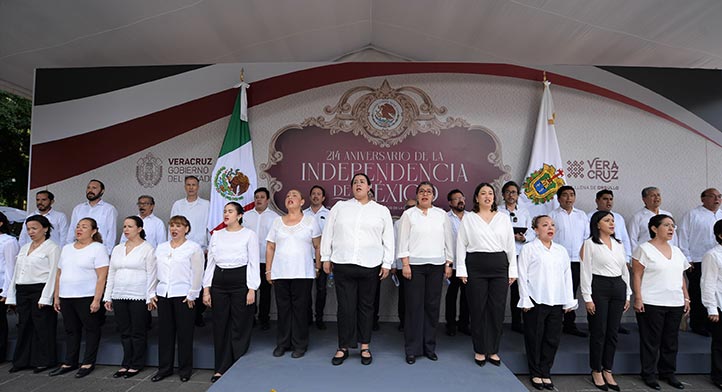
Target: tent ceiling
82 33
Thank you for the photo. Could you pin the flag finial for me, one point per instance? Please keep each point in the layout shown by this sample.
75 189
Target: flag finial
545 76
242 75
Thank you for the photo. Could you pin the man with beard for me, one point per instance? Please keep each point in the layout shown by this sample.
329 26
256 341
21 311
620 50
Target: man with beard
696 237
44 201
520 220
456 214
320 212
152 225
104 214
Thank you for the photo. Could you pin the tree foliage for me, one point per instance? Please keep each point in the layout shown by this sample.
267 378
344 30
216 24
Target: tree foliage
14 149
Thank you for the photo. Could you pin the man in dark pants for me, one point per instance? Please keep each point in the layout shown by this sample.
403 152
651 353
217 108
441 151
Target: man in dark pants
320 212
456 213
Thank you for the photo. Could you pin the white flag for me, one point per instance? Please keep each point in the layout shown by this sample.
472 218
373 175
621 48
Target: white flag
545 175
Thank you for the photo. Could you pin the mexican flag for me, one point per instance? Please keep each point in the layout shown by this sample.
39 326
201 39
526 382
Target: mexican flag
544 175
234 177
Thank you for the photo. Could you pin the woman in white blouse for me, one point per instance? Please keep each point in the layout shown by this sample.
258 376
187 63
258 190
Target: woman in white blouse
486 263
292 242
358 246
128 292
229 287
180 275
606 292
711 284
545 294
660 300
82 272
426 253
8 253
31 291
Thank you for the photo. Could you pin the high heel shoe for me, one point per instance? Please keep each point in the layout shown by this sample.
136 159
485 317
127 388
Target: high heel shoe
602 386
614 387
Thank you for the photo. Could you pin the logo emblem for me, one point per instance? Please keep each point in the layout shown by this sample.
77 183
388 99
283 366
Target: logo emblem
542 185
149 171
231 183
385 114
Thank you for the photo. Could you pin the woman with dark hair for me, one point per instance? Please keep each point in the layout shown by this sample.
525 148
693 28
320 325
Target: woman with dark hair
426 253
230 282
486 263
545 294
82 272
358 245
711 285
180 276
606 292
128 292
292 242
660 300
31 291
8 253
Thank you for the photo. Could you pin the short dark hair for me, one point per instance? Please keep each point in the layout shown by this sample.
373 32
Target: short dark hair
50 194
191 178
44 222
368 180
422 183
704 192
152 200
5 227
323 191
604 192
138 222
102 186
718 231
264 190
594 230
476 192
655 222
510 184
648 189
565 188
452 192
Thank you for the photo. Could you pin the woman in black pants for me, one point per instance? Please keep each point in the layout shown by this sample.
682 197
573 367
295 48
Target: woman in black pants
230 282
486 263
606 291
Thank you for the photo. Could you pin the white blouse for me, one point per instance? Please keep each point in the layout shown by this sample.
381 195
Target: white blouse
600 260
545 276
293 257
475 235
77 269
425 238
361 234
711 283
180 270
132 275
234 249
41 266
662 279
9 249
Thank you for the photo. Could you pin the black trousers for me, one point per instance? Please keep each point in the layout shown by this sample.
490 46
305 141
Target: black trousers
513 302
263 297
132 319
3 329
487 285
232 318
320 304
570 317
293 297
377 303
423 300
78 320
401 303
658 333
542 334
609 295
716 349
455 288
35 345
355 291
697 311
175 320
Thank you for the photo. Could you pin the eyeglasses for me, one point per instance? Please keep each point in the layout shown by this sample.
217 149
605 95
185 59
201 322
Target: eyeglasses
513 217
511 192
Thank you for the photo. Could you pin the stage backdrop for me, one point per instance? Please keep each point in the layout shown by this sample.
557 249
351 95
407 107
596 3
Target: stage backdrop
143 129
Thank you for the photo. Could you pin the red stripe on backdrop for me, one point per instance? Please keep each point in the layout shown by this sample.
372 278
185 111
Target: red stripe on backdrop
85 152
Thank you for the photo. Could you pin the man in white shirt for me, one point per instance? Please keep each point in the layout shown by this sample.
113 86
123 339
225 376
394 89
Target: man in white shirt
457 203
520 219
104 214
260 219
572 229
44 201
639 224
153 227
195 209
696 237
320 212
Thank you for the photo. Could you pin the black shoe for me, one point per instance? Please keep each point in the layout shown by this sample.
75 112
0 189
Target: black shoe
548 385
465 330
265 326
82 372
40 369
614 387
450 330
674 382
185 378
481 362
653 384
536 385
517 328
320 325
495 362
718 385
131 374
157 377
624 331
400 327
376 326
602 386
575 332
215 378
410 359
119 373
279 351
432 356
16 369
298 354
366 360
339 360
701 332
61 370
